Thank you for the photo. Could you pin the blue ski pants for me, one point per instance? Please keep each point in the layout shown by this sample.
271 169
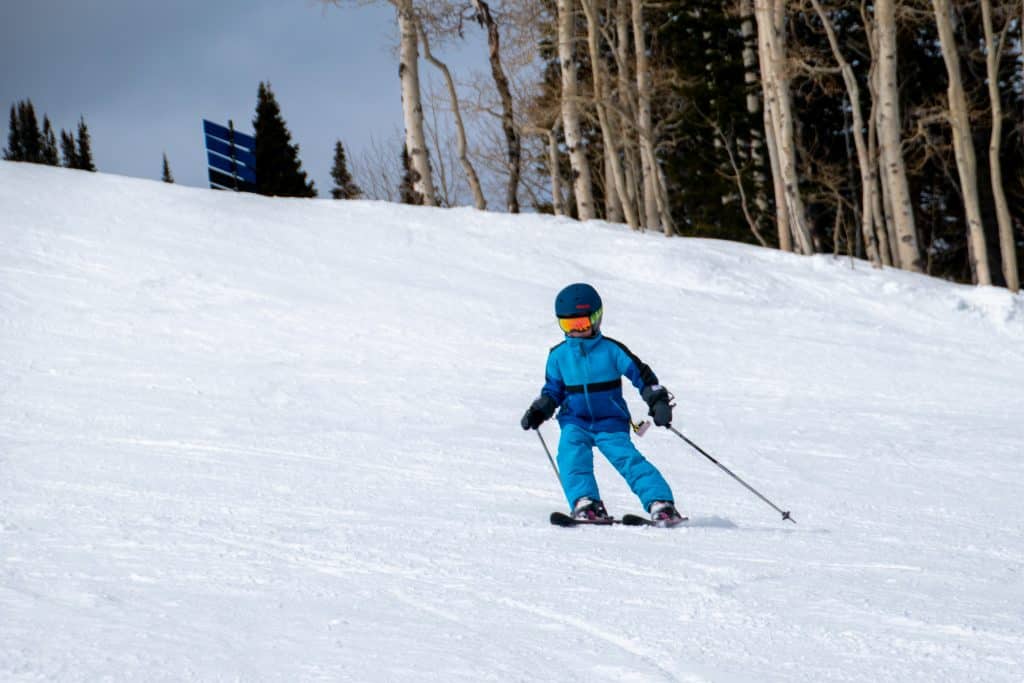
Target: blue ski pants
576 465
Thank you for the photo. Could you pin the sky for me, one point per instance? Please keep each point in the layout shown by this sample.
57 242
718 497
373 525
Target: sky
144 74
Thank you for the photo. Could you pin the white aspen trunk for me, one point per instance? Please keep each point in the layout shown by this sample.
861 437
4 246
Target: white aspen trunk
878 216
963 144
615 186
460 130
412 103
781 208
668 225
863 161
582 182
770 16
557 201
894 171
626 104
1007 248
513 146
612 202
644 125
750 77
881 217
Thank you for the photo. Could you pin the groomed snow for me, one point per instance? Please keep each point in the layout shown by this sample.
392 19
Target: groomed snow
264 439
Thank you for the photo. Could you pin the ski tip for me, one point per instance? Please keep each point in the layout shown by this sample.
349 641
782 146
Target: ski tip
637 520
561 519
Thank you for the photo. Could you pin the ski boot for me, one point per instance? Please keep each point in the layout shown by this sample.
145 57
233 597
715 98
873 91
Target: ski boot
664 514
592 511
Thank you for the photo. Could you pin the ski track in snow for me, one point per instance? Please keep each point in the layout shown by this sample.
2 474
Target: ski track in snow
252 439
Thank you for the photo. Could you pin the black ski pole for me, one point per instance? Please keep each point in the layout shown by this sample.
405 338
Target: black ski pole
784 513
550 459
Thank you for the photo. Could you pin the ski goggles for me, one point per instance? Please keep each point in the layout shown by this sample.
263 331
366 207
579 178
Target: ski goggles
580 324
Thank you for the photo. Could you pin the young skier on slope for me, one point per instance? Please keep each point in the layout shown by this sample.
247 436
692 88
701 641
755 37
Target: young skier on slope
583 378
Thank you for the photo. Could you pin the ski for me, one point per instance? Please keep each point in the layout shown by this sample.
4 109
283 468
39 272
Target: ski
564 520
637 520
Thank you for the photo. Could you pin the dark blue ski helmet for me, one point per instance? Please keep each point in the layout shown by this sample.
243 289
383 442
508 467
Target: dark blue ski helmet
577 299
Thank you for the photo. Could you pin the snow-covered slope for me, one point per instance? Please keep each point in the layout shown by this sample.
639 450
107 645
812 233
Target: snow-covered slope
255 439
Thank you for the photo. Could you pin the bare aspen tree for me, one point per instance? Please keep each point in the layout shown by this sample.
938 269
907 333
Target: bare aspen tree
617 183
993 50
627 107
460 130
582 181
963 144
513 145
645 128
412 103
755 144
863 160
907 254
771 20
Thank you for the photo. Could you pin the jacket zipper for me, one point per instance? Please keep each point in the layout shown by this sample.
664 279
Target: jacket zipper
586 383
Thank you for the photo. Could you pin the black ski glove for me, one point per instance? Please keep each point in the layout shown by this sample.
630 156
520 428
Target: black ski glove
659 401
539 410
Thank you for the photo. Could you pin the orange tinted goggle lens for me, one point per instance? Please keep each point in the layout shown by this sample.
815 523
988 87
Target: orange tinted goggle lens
581 323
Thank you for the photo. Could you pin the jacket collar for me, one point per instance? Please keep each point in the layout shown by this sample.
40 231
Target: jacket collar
583 343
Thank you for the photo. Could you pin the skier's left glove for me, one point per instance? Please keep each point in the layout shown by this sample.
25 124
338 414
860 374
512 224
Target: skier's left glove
539 410
658 399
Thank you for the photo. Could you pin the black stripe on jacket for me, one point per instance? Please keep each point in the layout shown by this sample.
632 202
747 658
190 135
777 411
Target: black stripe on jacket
596 386
646 374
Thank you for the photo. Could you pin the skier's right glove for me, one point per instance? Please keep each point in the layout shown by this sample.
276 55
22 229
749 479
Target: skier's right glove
539 410
659 401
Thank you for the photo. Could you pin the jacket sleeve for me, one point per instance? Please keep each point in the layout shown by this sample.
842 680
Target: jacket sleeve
637 371
554 386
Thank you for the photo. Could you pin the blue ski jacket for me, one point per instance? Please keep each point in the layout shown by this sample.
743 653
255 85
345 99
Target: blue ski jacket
584 378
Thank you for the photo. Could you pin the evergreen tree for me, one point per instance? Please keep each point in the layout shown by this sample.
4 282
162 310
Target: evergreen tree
166 176
14 151
406 191
344 186
67 149
50 155
278 169
28 130
84 147
709 77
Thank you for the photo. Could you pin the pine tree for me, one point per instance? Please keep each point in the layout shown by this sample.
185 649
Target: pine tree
407 190
278 169
28 129
167 177
14 151
67 149
344 186
84 147
50 155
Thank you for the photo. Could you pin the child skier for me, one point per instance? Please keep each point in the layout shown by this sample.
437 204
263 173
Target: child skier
583 378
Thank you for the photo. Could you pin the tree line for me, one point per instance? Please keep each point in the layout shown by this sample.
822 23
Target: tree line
26 141
891 131
278 168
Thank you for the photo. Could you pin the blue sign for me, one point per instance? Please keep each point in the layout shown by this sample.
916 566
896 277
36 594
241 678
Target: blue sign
231 157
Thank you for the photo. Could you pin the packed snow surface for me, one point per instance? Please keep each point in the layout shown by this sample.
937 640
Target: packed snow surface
254 439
